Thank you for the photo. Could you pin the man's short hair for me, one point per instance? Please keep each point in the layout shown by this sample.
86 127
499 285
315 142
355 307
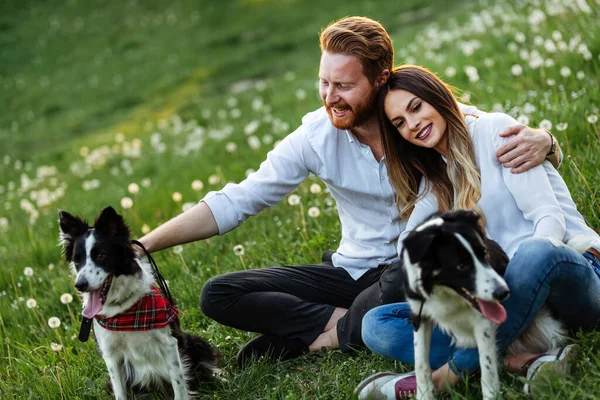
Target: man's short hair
362 38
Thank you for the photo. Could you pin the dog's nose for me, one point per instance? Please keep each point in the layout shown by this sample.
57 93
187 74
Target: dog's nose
501 293
81 285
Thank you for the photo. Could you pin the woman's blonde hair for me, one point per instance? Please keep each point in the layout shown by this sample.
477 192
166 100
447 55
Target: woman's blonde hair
407 163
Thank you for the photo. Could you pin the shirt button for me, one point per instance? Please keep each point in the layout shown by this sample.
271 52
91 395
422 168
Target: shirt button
366 151
382 177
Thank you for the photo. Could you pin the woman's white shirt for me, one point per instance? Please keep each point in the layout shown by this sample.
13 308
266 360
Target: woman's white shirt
515 206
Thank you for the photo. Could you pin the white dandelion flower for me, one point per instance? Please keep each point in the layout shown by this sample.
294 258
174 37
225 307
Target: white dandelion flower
238 250
187 206
580 75
50 267
176 196
177 249
315 188
300 94
53 322
28 272
66 298
293 200
565 72
56 346
562 126
31 303
126 202
546 125
523 119
213 179
592 118
231 147
145 229
146 182
450 72
133 188
197 185
516 70
314 212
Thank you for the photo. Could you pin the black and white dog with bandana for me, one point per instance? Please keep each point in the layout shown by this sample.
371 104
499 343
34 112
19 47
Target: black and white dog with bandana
136 326
454 280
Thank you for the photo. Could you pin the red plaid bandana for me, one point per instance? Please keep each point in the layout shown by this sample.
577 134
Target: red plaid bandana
152 311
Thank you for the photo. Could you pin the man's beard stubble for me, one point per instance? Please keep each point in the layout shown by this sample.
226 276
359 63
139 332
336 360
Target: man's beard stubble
360 114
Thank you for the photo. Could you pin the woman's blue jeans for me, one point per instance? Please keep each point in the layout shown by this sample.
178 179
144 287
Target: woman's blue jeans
539 273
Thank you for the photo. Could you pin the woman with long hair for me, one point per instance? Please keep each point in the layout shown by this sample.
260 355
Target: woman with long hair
439 159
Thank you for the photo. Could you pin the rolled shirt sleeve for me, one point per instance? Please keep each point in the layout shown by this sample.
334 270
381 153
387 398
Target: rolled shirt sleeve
286 166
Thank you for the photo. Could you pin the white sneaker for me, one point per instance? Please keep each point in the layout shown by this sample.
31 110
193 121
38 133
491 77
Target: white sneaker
558 362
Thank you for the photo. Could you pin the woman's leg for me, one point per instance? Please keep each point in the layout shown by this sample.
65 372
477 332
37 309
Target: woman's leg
541 271
387 330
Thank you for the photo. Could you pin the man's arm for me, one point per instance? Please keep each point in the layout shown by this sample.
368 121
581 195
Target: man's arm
527 149
197 223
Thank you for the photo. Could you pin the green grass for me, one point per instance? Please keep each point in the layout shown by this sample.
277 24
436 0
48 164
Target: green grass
169 75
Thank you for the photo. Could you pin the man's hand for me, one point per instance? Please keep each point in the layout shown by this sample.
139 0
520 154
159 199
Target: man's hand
527 149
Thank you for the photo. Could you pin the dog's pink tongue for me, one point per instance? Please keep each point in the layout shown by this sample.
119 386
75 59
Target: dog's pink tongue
493 311
94 304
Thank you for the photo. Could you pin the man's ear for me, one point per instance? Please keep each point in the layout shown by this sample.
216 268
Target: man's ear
383 77
112 223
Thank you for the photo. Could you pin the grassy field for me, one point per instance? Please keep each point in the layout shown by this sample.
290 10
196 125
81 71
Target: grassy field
163 102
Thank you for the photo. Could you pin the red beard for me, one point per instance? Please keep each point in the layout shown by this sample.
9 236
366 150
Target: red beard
355 116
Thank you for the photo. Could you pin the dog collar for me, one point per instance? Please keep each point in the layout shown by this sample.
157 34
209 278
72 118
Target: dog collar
152 311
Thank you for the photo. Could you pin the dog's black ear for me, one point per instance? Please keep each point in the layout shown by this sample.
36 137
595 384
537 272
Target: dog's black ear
71 228
112 223
496 257
417 243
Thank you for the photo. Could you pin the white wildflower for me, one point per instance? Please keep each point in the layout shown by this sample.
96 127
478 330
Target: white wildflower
561 126
133 188
53 322
187 206
545 125
176 196
523 119
231 147
28 272
145 229
31 303
56 346
592 118
126 202
450 72
565 72
238 250
197 185
516 70
213 179
293 199
178 249
66 298
314 212
315 188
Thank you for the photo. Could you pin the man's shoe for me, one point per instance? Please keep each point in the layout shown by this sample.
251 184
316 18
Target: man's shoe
558 362
387 386
272 348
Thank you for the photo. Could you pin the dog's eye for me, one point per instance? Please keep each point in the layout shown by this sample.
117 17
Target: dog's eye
461 267
100 257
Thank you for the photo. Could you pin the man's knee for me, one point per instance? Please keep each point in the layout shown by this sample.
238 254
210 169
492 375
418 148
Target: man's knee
209 298
535 258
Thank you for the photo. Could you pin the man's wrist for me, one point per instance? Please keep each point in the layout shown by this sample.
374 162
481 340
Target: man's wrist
553 144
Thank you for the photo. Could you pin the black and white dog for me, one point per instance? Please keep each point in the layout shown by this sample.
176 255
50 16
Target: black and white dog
136 327
454 279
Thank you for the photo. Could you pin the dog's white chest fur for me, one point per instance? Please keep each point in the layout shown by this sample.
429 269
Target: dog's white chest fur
454 316
138 349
